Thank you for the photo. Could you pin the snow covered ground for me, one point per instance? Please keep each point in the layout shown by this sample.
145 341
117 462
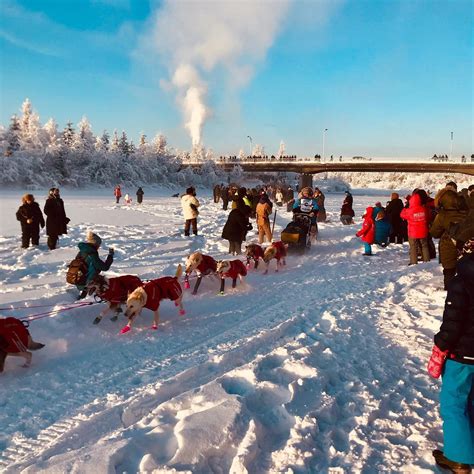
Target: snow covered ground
317 368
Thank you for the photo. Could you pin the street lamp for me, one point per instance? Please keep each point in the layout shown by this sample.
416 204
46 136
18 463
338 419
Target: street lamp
250 138
324 142
451 154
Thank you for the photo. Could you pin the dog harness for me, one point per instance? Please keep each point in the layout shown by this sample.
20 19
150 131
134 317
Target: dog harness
207 266
236 268
160 289
120 287
257 252
281 250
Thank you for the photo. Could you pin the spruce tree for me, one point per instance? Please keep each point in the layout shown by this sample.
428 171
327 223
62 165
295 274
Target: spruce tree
13 136
68 135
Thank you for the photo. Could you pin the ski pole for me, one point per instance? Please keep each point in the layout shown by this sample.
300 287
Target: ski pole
274 219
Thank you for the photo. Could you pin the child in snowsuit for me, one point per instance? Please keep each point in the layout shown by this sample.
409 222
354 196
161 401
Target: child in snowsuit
367 232
382 229
31 218
455 342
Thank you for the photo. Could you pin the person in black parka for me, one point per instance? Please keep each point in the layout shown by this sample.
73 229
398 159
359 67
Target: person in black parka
225 197
56 220
31 218
392 211
236 228
140 194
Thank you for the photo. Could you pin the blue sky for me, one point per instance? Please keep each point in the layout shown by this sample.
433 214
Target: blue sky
385 77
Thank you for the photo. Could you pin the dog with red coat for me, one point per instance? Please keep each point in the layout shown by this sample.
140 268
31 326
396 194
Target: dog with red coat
231 269
278 251
114 291
150 295
254 252
202 264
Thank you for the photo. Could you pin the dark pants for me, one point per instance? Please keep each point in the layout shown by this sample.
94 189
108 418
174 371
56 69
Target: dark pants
52 241
117 199
224 204
235 248
425 252
30 232
448 274
188 224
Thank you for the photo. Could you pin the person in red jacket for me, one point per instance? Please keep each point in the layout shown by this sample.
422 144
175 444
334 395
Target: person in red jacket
367 232
417 217
117 193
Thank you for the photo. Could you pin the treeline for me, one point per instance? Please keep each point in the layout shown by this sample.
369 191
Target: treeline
32 154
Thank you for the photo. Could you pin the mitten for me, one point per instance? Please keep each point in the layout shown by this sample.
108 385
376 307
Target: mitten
436 362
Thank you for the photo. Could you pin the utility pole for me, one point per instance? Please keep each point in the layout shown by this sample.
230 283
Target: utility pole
324 143
451 154
250 138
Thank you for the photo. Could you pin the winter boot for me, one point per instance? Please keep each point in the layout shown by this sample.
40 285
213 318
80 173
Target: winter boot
452 466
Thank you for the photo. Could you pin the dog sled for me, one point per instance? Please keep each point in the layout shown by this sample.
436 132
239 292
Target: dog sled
297 234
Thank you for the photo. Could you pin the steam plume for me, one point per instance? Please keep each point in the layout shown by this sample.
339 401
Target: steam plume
200 38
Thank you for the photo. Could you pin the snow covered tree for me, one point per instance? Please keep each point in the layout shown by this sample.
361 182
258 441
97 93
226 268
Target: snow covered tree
12 136
142 145
258 150
114 146
68 135
102 143
159 144
30 128
281 149
241 155
52 139
209 154
83 141
123 145
131 148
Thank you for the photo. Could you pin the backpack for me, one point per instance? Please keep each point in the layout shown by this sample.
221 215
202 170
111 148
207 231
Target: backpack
77 271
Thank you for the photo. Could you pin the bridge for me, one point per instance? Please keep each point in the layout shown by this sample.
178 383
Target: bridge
314 167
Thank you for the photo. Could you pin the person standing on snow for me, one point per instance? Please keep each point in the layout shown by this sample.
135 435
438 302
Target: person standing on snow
236 228
263 211
347 212
417 217
140 194
89 252
56 220
30 216
367 232
454 347
117 193
190 206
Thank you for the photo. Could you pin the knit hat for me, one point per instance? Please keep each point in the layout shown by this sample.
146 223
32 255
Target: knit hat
190 190
93 239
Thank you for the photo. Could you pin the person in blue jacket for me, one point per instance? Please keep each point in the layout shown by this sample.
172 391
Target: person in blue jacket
306 203
382 229
89 251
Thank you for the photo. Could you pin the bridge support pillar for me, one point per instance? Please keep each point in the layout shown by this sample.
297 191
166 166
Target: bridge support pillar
305 180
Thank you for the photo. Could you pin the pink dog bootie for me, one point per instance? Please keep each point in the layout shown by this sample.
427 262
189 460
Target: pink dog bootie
125 329
154 327
182 312
186 284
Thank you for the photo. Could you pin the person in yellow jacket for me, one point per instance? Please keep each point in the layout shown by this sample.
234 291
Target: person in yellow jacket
264 210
